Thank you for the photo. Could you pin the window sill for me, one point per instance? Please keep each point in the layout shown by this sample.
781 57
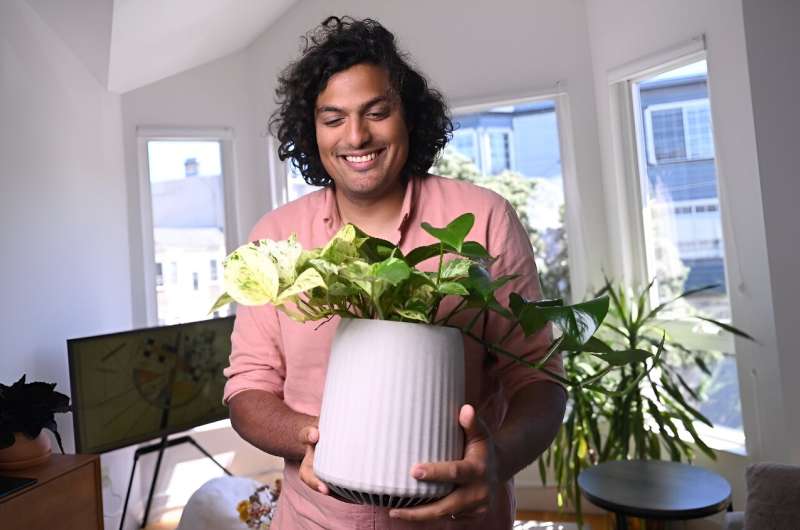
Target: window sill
720 439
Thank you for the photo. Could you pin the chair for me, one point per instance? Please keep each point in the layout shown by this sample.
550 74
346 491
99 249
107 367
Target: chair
773 499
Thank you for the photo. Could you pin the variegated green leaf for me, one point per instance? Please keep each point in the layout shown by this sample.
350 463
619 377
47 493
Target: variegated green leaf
309 279
456 268
251 276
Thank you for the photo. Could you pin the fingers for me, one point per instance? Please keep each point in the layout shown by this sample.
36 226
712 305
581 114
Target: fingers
309 436
473 467
455 471
464 503
474 429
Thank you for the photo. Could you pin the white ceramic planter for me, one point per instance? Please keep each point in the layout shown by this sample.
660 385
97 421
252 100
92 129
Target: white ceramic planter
392 396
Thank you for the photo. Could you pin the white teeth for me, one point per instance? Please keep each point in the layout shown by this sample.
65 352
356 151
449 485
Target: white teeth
365 158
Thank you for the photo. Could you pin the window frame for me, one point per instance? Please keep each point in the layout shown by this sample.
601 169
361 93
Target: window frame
145 134
629 163
579 273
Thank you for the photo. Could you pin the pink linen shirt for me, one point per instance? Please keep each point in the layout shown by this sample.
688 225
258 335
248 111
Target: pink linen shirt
274 353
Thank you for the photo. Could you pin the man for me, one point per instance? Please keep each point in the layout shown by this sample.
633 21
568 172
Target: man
356 119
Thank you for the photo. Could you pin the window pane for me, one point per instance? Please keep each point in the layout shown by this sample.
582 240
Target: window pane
500 149
186 186
523 137
668 135
681 204
682 223
296 187
698 131
720 391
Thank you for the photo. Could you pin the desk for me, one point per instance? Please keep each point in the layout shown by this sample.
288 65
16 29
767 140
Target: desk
66 496
654 489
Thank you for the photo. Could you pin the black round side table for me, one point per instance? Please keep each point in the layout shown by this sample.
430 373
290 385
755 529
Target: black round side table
654 489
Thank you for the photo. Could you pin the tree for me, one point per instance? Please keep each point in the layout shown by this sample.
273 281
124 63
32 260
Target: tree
549 246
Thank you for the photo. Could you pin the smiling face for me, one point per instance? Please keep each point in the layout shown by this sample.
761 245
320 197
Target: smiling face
361 133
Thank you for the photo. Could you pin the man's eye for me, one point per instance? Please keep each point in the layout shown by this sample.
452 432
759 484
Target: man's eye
378 114
332 123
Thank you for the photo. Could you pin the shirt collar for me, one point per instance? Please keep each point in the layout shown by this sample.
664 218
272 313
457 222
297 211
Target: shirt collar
330 211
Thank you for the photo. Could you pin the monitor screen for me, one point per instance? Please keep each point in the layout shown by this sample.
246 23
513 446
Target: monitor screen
135 386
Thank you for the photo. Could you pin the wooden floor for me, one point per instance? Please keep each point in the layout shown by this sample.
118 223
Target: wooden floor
596 522
165 521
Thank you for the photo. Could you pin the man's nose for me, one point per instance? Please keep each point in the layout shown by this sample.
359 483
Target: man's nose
358 133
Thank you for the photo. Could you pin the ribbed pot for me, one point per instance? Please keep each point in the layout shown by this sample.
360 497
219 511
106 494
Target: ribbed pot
392 396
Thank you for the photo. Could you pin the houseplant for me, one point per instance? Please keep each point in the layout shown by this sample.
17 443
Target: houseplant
25 410
640 410
355 276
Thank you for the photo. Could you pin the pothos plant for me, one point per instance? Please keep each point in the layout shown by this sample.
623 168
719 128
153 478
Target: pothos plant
358 276
644 410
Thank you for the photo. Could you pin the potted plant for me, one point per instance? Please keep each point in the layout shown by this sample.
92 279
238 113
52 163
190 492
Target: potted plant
640 410
380 292
25 410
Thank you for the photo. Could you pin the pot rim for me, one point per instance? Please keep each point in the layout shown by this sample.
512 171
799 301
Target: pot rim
380 321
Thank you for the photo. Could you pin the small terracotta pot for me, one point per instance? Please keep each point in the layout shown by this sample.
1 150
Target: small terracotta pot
26 452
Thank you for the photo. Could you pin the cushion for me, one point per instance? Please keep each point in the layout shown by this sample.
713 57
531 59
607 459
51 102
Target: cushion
213 505
773 497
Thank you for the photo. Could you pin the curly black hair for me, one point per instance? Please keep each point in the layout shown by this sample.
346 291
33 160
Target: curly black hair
334 46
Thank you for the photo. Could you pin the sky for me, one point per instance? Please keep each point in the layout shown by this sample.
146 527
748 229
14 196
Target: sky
167 157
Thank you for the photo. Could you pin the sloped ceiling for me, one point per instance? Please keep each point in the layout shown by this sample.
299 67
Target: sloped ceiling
127 44
84 26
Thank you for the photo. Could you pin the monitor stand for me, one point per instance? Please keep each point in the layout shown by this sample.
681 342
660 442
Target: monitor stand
160 447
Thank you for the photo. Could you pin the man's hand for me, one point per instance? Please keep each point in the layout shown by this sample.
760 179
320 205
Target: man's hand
475 476
309 436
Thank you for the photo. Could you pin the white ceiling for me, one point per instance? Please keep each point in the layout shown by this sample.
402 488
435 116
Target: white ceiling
127 44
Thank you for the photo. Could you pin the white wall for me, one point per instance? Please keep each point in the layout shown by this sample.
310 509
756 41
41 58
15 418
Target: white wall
773 57
64 215
63 209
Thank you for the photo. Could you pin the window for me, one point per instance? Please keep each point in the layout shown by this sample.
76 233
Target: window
678 131
296 186
683 244
499 147
213 271
520 158
184 189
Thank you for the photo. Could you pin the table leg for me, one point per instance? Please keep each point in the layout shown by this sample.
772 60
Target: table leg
622 521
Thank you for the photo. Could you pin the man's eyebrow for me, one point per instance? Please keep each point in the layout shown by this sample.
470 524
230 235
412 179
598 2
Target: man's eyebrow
368 104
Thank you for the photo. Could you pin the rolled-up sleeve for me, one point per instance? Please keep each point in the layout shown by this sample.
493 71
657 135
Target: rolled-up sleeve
509 241
257 359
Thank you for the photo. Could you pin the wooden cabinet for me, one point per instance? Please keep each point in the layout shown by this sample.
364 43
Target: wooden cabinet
66 496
